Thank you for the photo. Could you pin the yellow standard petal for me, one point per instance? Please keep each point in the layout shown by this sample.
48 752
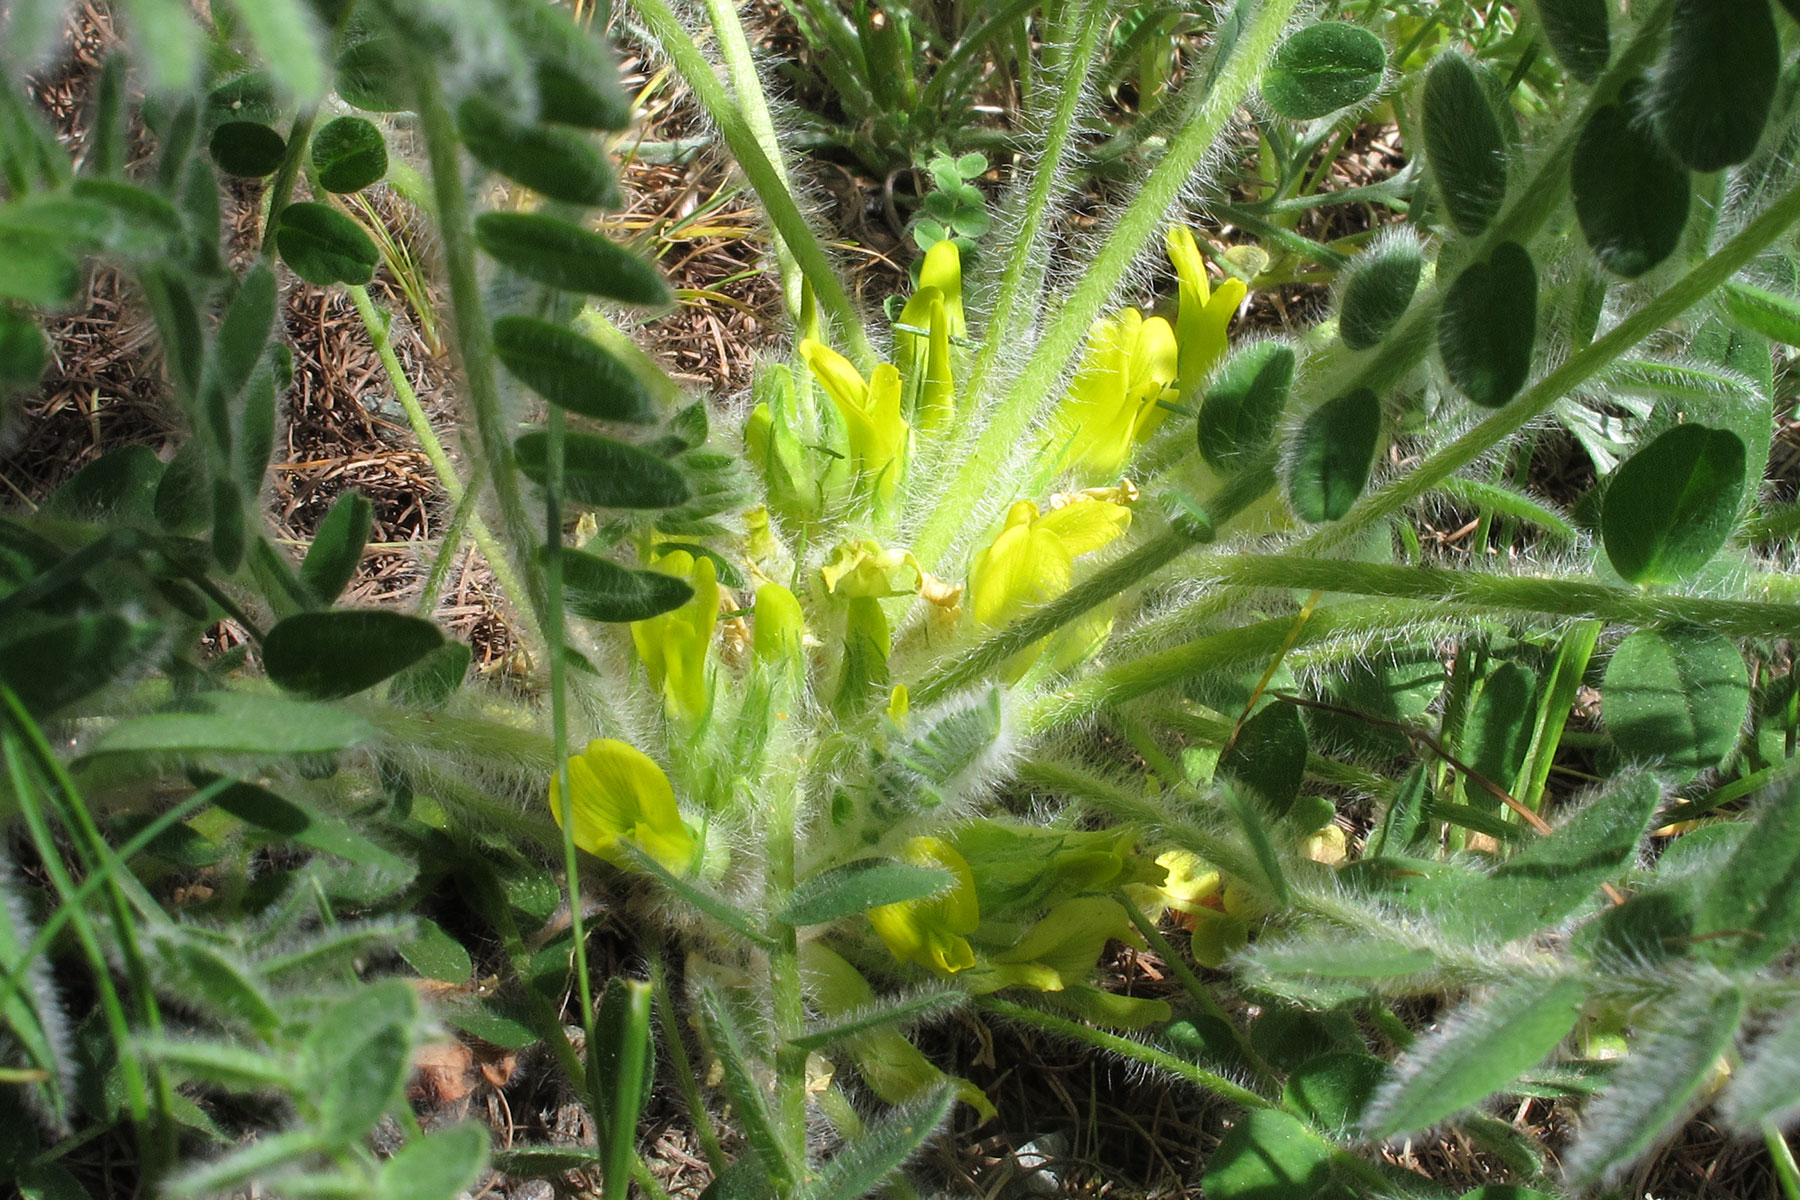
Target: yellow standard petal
674 645
618 795
942 269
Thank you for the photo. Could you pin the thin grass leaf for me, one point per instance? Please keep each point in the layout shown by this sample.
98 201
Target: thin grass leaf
880 1150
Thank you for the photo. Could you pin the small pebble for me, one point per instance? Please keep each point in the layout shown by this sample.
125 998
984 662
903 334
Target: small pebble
533 1189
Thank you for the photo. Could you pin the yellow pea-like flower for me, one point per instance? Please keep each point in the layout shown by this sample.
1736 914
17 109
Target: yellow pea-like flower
932 932
1031 562
871 411
1203 319
1112 406
674 645
617 796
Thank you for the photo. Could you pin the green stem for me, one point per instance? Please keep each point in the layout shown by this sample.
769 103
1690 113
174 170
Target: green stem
282 189
1112 1043
1046 176
375 323
753 104
1787 1172
1228 649
968 501
473 338
765 177
1555 597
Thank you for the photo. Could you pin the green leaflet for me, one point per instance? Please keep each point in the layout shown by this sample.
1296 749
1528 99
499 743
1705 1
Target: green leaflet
1673 504
1244 403
337 547
1631 194
1578 34
1483 1047
571 371
1676 697
1463 144
248 149
1378 287
1269 757
560 255
559 162
1332 456
601 590
349 154
1713 90
1550 877
1488 326
323 246
859 886
1322 68
604 473
1268 1155
328 655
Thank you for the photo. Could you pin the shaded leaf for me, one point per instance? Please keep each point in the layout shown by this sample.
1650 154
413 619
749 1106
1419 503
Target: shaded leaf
571 371
604 473
1489 326
349 154
1673 504
1324 67
1333 454
327 655
560 255
323 246
1677 697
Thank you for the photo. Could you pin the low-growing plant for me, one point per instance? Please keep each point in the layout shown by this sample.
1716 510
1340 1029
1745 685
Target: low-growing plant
1001 630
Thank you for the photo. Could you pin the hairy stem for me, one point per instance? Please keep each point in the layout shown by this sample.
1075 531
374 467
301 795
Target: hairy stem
1555 597
765 177
474 341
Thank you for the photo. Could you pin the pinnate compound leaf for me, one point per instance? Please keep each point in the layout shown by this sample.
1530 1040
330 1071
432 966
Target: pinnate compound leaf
1480 1049
238 723
862 1164
571 371
349 154
1378 287
1489 326
247 149
1717 80
1268 1155
1322 68
1657 1083
1243 406
560 255
1767 1086
1676 696
440 1167
604 473
1463 144
1578 33
323 246
1759 310
859 886
1631 194
1334 452
337 547
601 590
329 655
559 162
1673 504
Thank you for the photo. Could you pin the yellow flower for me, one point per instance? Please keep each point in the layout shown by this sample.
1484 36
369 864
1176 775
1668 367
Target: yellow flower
618 795
932 932
1113 404
925 358
1031 561
779 626
673 645
1204 315
870 409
